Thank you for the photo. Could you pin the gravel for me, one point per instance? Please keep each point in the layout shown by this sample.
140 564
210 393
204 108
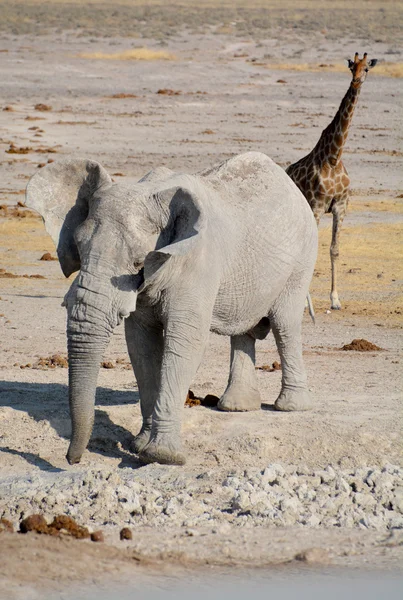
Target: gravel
366 497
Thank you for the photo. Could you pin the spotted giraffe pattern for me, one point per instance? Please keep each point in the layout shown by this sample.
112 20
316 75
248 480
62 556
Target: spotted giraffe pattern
321 175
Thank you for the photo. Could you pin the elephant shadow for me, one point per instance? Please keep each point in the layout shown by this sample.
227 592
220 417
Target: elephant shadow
49 402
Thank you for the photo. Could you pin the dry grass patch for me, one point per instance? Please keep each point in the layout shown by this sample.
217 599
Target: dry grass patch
390 206
131 54
383 68
371 266
22 235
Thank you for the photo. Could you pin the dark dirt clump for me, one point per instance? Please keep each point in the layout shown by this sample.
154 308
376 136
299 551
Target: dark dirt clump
313 556
14 211
13 149
42 107
126 534
7 275
4 274
45 150
361 345
168 92
122 95
124 363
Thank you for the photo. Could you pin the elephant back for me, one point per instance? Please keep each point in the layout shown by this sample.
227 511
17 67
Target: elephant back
254 181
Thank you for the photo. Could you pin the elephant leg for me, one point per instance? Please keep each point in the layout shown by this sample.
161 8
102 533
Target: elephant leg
286 322
242 392
144 338
186 333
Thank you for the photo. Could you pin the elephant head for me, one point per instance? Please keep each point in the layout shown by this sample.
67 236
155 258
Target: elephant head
123 240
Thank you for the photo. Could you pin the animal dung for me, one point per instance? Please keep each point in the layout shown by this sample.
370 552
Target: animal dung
6 525
208 401
47 256
35 523
52 362
126 534
13 149
168 92
191 399
123 95
107 364
276 366
61 525
7 275
97 536
361 345
14 211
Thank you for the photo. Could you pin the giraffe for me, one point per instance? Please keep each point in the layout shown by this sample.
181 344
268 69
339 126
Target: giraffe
321 175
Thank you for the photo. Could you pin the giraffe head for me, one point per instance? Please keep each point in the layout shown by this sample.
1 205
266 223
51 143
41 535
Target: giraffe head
359 68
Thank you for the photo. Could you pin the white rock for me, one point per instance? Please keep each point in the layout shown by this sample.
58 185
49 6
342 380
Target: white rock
341 484
364 500
291 505
241 501
269 475
397 501
233 482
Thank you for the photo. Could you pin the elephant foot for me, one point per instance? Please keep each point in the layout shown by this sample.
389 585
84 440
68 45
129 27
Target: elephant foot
161 450
238 399
140 441
290 400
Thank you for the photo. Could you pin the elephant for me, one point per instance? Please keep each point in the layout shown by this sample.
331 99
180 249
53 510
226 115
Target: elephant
230 249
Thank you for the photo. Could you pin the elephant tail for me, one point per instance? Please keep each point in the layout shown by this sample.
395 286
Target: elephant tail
310 307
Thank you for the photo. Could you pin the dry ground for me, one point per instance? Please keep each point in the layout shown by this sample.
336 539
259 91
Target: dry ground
239 87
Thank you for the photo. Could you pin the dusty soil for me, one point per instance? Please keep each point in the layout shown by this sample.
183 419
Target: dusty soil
235 79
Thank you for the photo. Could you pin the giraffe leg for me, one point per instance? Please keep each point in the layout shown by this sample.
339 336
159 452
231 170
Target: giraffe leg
339 211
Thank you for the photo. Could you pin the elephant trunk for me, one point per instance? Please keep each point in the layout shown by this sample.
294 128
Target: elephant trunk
88 338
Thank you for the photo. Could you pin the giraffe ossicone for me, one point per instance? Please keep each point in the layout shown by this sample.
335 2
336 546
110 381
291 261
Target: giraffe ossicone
321 175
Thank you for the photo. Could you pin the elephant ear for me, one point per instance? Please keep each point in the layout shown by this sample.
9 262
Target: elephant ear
184 233
61 193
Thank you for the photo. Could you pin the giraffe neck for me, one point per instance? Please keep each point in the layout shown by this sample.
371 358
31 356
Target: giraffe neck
330 145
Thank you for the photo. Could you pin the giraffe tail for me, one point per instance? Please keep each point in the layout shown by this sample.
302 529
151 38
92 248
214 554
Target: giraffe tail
310 307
